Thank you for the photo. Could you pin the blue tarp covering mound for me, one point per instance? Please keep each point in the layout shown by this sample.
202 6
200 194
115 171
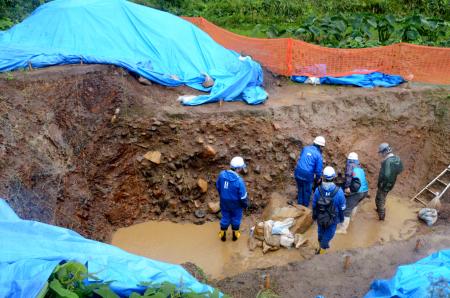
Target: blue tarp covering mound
374 79
157 45
29 251
429 277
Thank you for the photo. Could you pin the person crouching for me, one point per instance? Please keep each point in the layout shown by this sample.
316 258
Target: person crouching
233 198
328 208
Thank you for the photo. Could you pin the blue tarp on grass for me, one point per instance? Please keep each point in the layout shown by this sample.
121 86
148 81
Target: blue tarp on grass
429 277
374 79
30 250
154 44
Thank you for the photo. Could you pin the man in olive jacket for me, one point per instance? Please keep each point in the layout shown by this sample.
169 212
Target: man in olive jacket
391 166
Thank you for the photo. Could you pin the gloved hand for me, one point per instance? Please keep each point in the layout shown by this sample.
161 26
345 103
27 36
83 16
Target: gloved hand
244 203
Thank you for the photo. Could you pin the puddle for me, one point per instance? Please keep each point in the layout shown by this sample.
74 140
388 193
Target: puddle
366 230
180 243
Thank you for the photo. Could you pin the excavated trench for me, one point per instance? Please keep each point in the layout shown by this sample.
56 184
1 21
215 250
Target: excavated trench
73 141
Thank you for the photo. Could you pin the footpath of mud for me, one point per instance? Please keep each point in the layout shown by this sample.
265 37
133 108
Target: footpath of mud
74 143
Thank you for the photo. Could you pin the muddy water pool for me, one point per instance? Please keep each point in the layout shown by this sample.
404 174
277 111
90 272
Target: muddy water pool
180 243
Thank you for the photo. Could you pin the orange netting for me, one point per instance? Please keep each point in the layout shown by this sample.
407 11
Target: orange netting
289 56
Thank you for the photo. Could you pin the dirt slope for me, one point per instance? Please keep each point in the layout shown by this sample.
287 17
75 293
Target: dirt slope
63 160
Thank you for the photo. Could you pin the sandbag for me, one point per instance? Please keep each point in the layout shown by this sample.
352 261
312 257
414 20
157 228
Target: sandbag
428 215
287 240
282 227
272 240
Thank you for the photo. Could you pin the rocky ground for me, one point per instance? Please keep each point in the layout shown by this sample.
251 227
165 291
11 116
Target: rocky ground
91 149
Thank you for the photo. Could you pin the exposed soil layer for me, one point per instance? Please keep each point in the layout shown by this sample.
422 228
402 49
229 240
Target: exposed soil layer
325 275
67 160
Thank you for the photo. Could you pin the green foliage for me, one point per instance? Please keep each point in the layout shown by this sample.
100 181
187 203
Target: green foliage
5 23
267 293
364 30
68 281
333 23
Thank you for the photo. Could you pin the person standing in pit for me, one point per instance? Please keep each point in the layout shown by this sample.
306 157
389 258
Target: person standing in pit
391 167
308 170
233 198
328 209
356 189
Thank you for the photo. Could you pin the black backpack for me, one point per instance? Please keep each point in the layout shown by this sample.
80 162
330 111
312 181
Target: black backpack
326 212
355 184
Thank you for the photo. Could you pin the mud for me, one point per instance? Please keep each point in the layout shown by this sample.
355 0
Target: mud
180 243
325 275
66 161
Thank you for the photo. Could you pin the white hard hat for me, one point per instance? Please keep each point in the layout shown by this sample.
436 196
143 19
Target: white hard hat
319 141
384 148
353 156
237 162
329 173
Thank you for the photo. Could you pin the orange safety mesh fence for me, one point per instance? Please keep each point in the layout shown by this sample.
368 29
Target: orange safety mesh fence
289 56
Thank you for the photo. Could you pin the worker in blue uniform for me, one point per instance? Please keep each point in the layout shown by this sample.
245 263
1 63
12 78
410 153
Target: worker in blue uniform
309 170
233 198
328 208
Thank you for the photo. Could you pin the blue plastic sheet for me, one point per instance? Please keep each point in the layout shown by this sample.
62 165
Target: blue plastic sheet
417 280
30 251
156 45
374 79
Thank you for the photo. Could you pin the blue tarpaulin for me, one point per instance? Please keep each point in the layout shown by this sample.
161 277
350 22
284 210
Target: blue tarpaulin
30 250
154 44
370 80
429 277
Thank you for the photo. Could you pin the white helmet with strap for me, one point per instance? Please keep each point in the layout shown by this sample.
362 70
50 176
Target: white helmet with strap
237 163
320 141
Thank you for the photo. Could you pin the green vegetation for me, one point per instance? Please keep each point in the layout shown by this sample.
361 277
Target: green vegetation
343 23
333 23
68 281
14 11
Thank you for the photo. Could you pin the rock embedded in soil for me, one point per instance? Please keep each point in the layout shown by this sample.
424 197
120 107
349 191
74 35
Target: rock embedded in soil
153 156
268 178
199 213
200 140
293 156
257 169
184 199
209 151
173 203
203 185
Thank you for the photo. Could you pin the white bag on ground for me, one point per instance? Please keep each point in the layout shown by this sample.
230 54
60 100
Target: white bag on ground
428 215
282 227
272 240
287 240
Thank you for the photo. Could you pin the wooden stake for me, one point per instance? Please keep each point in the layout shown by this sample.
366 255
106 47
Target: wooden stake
346 263
418 245
267 281
30 67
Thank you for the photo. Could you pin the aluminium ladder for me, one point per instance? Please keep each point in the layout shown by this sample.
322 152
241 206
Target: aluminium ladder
436 188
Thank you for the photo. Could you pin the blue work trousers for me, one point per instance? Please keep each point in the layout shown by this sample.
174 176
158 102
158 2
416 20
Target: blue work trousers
304 189
325 235
232 217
